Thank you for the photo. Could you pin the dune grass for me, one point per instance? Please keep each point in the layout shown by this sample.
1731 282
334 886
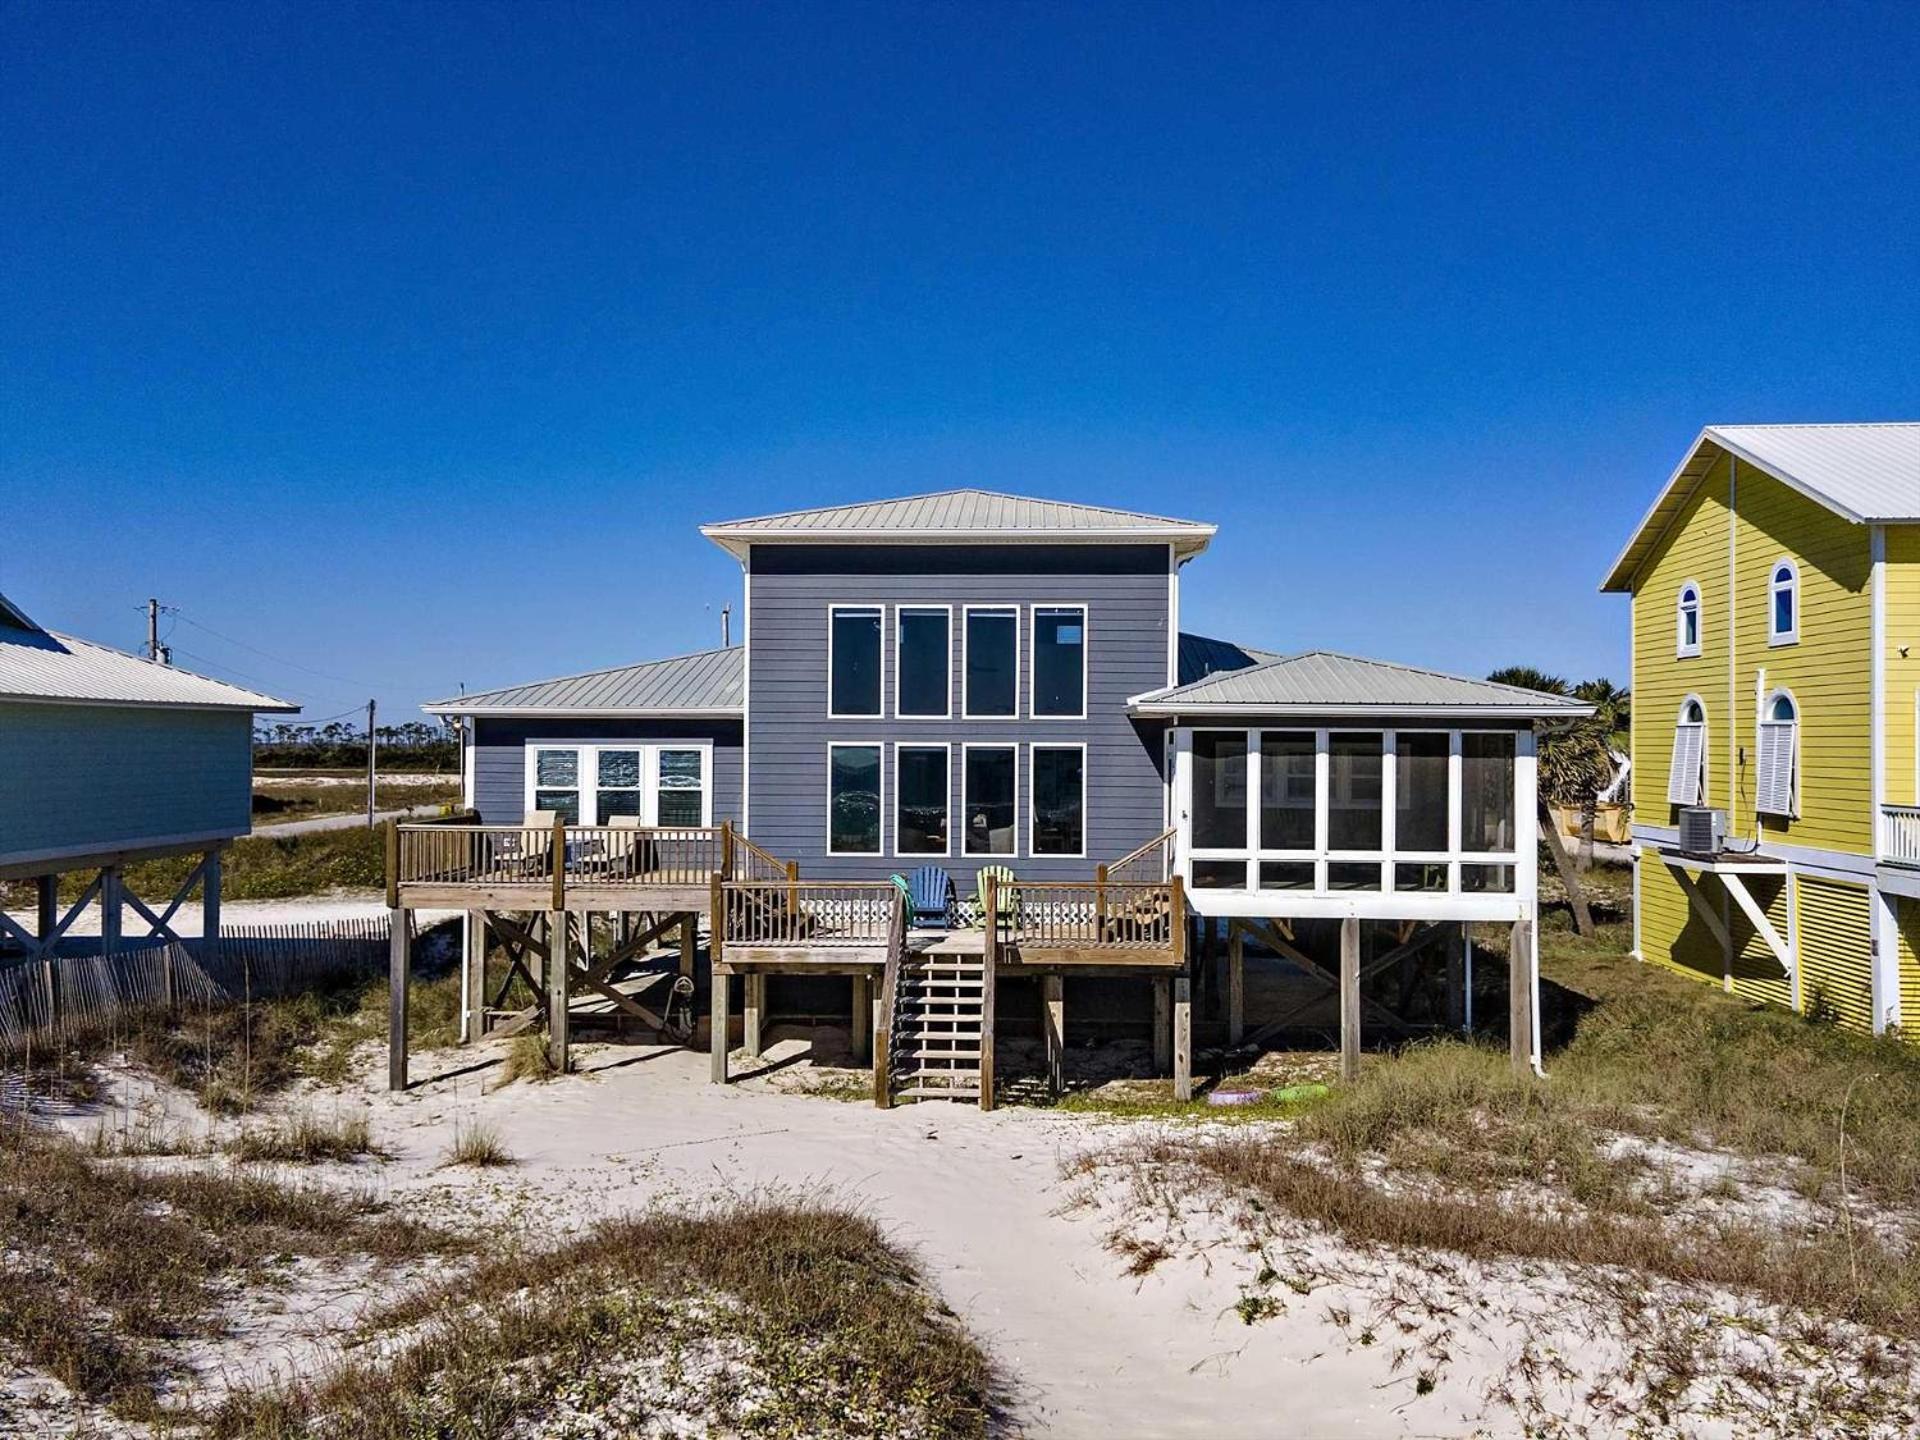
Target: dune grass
307 1138
477 1143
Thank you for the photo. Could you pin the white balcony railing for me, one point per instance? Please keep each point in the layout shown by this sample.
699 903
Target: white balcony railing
1900 834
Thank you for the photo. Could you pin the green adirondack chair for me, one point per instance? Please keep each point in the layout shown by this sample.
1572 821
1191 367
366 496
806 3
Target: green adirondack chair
1003 896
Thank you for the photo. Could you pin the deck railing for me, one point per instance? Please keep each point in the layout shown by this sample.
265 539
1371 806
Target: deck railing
809 913
1089 915
600 855
1153 861
1900 834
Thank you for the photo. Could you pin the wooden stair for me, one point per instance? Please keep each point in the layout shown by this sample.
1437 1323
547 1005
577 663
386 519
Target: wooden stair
939 1026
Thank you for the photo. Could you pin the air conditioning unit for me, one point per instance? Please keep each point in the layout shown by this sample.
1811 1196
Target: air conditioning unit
1702 831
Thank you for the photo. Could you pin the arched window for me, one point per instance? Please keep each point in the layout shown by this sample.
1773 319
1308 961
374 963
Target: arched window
1686 620
1776 782
1783 604
1686 780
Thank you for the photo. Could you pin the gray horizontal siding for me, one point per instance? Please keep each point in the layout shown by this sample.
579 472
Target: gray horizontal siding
1125 590
104 776
499 763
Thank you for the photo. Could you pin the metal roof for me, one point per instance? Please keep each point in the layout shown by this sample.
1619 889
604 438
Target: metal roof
708 683
38 664
1321 682
1868 473
1201 656
960 515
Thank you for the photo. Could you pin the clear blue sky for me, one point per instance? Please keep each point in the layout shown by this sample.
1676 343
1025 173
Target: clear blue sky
409 345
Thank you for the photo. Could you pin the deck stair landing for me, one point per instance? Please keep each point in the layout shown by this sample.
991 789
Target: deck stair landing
939 1020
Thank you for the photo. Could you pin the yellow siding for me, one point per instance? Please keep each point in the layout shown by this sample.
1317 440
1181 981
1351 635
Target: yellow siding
1671 934
1836 950
1902 671
1757 971
1830 670
1907 914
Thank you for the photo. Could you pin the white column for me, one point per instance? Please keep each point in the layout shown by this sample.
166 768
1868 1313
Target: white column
1886 961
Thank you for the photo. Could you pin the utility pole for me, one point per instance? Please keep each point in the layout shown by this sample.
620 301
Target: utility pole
155 652
726 626
372 771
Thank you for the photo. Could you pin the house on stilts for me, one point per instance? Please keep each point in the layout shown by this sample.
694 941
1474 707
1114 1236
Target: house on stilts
964 769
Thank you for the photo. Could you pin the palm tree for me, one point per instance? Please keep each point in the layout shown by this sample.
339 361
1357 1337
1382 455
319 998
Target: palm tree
1528 678
1612 706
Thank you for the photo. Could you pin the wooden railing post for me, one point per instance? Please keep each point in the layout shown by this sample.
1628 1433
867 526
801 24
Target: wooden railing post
1099 902
559 863
1177 912
793 887
393 865
726 849
718 921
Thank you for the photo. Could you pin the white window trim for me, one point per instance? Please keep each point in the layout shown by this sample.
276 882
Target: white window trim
966 699
1774 587
1681 649
966 758
1086 819
587 757
863 608
1704 782
1033 656
946 748
1780 692
900 612
881 800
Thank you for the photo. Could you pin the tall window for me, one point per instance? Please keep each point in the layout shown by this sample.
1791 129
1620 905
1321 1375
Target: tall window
1220 790
1420 792
853 661
922 663
681 780
1686 637
992 644
1288 782
556 775
1684 783
1775 789
1486 792
853 799
1353 800
920 799
989 782
619 791
1059 783
1060 661
1783 613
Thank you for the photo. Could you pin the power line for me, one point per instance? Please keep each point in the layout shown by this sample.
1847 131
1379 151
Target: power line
269 655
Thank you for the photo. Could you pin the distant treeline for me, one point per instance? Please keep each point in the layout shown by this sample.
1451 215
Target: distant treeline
415 745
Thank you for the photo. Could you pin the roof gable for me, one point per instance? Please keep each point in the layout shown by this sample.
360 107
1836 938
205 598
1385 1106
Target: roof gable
710 682
1866 473
43 665
958 515
1326 682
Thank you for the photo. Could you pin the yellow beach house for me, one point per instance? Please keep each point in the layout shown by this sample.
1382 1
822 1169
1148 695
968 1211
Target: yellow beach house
1776 718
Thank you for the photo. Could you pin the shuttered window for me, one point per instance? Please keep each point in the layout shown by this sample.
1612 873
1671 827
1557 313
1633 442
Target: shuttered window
1689 755
1774 779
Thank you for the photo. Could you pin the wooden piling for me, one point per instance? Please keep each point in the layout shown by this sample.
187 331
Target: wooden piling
397 999
1349 999
1520 997
1182 1038
1053 1020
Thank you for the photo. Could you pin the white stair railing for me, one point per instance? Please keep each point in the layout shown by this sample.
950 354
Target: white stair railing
1900 834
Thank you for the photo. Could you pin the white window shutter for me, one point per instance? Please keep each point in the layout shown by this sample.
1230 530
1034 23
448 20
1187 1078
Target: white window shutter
1683 781
1774 781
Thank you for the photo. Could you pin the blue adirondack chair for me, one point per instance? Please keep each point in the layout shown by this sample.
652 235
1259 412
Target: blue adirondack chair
930 895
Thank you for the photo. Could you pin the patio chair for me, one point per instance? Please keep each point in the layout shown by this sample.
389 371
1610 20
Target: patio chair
930 896
625 855
528 851
1003 898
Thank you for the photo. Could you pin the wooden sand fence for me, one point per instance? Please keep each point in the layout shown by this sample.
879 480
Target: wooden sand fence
47 1002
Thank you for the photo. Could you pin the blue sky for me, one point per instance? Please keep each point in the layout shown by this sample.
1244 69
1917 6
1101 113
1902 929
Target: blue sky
406 347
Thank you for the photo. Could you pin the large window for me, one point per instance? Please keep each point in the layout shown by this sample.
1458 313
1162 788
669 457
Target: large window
1776 788
920 799
1353 795
922 665
1220 790
1059 820
853 661
1686 782
599 783
1783 604
1686 621
853 799
1486 792
1420 792
1060 661
992 647
1288 784
991 782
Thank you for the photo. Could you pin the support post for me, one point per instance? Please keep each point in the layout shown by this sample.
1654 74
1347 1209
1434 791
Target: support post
1350 999
1236 984
860 1027
1182 1038
210 901
1162 1025
1053 1020
47 906
559 971
397 999
1520 997
752 1013
718 1025
688 938
112 909
473 978
1456 997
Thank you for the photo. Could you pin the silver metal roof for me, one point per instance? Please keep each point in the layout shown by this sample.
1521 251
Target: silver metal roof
708 683
1320 682
1201 656
960 515
1868 473
40 664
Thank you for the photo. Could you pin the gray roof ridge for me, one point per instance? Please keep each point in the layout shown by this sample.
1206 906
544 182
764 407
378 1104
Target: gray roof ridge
749 520
65 639
584 674
1282 660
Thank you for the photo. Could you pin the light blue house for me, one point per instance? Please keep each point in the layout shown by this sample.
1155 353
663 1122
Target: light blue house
107 759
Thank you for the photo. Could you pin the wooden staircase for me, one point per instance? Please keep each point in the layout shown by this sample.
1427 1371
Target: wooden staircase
938 1012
